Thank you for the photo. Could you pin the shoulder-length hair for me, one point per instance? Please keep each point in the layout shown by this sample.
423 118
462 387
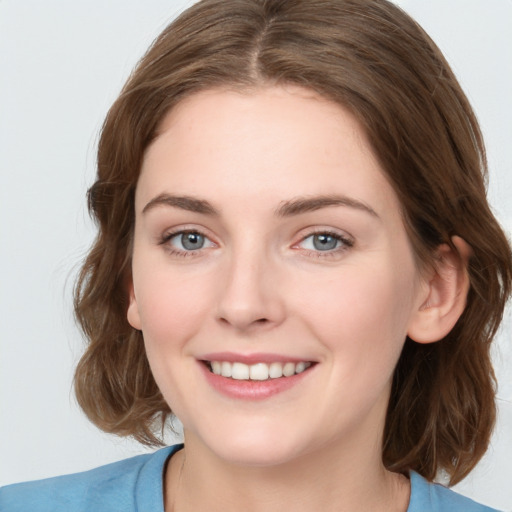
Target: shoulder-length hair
373 59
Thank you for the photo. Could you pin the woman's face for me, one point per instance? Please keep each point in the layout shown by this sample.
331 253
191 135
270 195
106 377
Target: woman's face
272 276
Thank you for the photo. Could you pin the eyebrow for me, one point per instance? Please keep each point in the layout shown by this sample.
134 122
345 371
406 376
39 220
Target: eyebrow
289 208
188 203
309 204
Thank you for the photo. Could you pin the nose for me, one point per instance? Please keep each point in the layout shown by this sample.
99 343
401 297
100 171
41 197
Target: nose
250 298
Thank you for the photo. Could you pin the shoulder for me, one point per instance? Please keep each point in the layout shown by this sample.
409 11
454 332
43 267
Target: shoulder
120 486
428 497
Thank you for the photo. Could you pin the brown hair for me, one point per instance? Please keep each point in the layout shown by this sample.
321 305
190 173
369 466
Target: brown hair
372 58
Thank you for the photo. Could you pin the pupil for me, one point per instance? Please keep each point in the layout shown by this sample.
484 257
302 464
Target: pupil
192 241
324 242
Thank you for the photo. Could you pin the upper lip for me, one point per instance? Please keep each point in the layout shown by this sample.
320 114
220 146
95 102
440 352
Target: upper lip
254 358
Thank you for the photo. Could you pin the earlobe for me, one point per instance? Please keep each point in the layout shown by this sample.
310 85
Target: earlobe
447 291
132 314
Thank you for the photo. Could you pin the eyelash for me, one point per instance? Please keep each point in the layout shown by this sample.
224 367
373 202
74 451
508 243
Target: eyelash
345 243
167 237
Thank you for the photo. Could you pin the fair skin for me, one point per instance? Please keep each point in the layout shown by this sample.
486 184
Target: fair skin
266 233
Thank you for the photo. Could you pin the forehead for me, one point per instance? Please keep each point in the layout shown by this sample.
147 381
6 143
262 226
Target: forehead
271 142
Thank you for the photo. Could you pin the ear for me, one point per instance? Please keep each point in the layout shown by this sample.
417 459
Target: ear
132 314
447 291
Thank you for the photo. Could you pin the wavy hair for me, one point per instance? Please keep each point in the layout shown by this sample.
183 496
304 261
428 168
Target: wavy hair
372 58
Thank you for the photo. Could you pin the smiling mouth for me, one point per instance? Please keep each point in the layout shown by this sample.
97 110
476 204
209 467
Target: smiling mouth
258 371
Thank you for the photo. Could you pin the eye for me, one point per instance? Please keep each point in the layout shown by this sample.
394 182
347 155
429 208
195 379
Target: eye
189 241
325 242
186 241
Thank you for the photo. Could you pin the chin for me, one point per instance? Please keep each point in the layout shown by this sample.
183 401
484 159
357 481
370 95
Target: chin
253 447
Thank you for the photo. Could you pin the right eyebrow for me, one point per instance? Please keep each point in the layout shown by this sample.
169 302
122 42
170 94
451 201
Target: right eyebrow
188 203
301 205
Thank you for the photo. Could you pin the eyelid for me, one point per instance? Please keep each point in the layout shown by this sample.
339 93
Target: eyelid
165 238
347 241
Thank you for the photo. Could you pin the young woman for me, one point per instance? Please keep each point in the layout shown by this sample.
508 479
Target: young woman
295 257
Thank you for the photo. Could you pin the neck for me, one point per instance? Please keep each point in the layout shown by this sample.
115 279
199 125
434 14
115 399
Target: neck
338 480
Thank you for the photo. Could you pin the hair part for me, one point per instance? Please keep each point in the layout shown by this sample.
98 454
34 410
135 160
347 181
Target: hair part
372 58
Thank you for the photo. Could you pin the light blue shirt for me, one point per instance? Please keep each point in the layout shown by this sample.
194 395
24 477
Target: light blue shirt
136 485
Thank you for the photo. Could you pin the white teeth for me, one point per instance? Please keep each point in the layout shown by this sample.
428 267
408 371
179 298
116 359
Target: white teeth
240 371
300 367
288 369
258 371
225 369
275 370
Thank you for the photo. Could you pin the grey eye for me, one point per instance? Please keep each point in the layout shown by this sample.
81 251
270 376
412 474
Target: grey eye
325 242
191 241
187 242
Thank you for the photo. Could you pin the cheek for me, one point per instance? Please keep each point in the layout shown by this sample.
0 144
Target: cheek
172 307
173 310
364 311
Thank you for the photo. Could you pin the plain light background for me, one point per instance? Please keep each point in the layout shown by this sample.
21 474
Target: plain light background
61 66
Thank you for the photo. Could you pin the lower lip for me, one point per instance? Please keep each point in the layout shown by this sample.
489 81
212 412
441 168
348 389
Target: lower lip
252 389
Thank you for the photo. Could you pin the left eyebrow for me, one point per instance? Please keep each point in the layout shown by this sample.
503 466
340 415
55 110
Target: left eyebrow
309 204
188 203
